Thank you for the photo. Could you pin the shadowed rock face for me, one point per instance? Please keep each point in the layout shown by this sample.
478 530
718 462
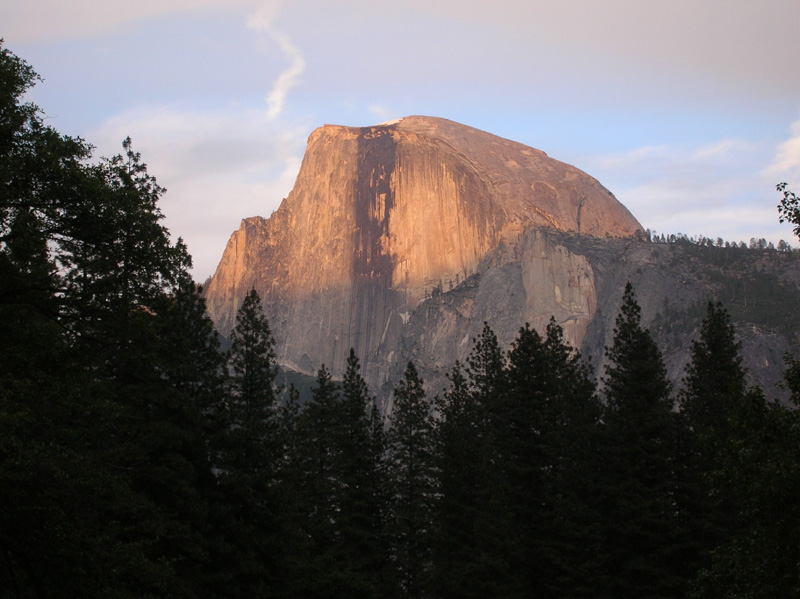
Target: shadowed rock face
382 218
579 281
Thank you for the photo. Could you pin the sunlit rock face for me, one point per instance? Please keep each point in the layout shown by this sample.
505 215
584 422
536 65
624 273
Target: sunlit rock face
381 218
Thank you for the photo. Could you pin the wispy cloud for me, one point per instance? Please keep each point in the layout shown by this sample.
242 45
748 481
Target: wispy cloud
717 189
262 20
288 79
786 163
724 149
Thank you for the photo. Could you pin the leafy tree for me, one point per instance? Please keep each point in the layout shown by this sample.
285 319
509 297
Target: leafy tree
789 208
412 482
41 173
51 488
32 348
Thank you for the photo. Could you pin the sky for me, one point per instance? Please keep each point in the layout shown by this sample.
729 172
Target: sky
687 110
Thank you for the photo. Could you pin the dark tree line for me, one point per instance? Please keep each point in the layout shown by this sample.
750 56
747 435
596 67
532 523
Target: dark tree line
137 459
703 241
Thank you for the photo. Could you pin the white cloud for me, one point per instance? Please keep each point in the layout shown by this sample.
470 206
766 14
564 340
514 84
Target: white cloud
265 14
634 159
722 150
218 168
262 20
786 163
717 190
288 78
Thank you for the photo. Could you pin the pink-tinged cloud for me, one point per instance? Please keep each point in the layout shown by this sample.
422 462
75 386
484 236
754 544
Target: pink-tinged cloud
786 165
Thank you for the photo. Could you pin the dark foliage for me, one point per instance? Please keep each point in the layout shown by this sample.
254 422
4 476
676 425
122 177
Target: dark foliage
641 532
412 483
789 208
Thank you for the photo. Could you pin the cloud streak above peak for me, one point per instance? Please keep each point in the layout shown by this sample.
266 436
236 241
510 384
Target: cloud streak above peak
262 21
276 99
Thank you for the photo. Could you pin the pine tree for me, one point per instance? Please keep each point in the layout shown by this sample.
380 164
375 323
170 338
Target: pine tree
473 538
524 455
714 391
291 510
332 484
552 412
249 460
361 553
755 476
459 552
107 460
570 443
792 378
761 466
715 378
252 361
320 426
748 452
121 276
385 579
412 483
486 369
638 505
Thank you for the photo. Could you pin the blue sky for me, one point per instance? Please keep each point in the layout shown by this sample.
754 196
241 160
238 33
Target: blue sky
688 111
